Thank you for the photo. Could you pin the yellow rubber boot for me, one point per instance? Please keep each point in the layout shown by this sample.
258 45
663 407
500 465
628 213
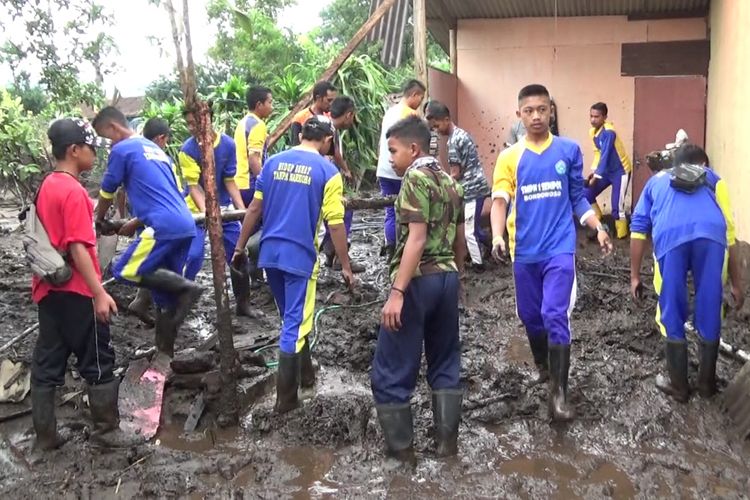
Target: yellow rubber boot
597 211
621 227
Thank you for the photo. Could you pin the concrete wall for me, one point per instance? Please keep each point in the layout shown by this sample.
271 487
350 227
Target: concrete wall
443 87
728 103
578 59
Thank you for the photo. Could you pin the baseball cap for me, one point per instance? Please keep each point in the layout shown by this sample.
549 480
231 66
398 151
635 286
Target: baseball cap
69 131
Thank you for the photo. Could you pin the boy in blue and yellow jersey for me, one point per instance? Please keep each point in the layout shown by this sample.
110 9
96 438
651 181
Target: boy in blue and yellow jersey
422 308
296 191
542 176
611 167
390 183
251 139
228 194
698 244
156 258
156 130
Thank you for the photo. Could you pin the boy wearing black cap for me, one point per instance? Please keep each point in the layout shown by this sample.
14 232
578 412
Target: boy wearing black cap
73 316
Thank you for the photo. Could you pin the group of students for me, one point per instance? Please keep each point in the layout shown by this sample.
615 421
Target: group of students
538 192
167 251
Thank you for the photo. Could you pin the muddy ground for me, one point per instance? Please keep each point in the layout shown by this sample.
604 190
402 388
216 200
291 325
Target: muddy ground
628 440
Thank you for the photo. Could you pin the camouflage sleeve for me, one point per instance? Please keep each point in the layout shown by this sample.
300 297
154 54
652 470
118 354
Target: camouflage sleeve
414 198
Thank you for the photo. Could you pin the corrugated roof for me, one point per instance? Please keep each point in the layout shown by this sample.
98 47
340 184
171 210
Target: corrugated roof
391 30
442 13
473 9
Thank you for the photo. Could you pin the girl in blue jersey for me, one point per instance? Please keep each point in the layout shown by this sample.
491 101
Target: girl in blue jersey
541 175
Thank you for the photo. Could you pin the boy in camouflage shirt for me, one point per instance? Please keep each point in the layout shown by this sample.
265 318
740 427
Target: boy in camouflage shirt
466 168
423 302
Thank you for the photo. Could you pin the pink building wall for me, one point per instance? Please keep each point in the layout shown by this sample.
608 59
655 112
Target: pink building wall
578 59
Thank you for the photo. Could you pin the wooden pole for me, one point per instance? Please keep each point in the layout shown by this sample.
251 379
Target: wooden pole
332 69
453 51
228 402
419 16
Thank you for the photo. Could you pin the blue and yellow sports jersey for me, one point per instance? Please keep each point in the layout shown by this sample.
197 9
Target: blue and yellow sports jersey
146 173
661 211
300 189
610 157
225 158
250 136
545 185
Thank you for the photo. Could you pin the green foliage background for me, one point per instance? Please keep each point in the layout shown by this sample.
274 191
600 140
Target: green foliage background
250 48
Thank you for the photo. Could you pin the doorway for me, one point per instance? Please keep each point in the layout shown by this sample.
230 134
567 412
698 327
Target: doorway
663 105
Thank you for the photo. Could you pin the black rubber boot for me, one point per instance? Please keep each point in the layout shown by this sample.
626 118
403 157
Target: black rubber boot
306 369
141 305
446 415
538 345
188 292
398 429
106 417
676 384
287 383
43 418
707 371
165 332
559 366
241 290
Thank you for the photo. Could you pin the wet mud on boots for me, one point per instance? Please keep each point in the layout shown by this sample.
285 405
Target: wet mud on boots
540 352
165 331
560 409
398 430
44 420
446 415
306 371
709 351
675 384
241 289
187 291
105 415
140 306
287 383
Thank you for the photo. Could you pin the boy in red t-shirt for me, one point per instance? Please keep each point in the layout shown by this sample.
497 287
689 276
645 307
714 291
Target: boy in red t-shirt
73 317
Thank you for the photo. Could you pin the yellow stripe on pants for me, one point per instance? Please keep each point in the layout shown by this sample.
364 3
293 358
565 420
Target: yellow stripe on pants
307 314
140 254
657 289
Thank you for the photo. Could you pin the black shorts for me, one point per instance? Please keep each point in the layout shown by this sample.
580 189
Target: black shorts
67 324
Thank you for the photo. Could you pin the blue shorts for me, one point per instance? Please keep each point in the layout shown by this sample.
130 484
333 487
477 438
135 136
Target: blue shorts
145 255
